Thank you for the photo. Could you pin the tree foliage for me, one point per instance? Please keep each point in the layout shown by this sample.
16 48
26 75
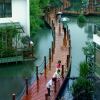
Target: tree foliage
37 8
81 18
89 49
83 88
84 69
7 33
35 14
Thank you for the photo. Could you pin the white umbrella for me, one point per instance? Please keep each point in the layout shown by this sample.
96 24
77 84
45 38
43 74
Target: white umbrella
65 19
59 13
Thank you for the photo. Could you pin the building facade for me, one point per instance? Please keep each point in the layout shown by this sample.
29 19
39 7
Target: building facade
12 11
96 40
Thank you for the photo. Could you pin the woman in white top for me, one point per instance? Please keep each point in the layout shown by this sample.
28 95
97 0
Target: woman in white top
48 85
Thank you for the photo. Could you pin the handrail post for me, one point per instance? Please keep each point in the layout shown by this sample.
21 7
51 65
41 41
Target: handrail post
50 58
49 20
59 29
55 84
46 96
45 66
37 73
69 34
52 24
52 50
67 61
37 78
67 28
69 50
54 39
54 34
26 82
13 96
62 73
32 51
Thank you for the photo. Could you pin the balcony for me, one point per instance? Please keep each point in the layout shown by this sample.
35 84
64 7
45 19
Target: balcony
96 39
96 36
98 56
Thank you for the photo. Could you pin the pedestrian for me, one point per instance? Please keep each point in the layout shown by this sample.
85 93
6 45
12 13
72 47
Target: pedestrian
64 29
57 74
48 85
58 66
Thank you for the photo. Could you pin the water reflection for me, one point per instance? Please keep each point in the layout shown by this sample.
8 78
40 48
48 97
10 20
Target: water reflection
13 70
65 40
81 25
89 29
79 36
9 86
12 75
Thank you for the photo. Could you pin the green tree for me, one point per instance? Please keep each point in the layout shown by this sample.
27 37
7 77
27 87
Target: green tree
89 49
37 9
82 89
84 69
81 18
55 3
7 33
44 3
35 14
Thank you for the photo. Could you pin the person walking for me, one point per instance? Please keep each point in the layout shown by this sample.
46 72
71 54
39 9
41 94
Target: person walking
58 65
48 85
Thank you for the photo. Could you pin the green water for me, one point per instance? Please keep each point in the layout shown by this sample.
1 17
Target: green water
80 34
12 75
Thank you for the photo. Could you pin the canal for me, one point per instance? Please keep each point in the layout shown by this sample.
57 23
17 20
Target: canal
79 35
12 75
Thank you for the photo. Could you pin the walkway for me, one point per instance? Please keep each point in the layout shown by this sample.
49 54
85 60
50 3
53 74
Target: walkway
38 89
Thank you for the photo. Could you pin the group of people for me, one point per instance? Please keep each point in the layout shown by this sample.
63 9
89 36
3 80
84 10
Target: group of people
57 74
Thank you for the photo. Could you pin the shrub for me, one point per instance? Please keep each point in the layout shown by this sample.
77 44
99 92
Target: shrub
82 89
81 18
84 69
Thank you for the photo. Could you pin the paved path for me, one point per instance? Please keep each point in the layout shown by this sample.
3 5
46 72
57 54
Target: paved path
38 91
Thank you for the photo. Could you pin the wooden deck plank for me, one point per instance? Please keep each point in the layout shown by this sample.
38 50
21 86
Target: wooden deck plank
61 53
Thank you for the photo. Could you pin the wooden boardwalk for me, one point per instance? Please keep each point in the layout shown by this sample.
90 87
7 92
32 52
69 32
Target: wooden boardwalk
86 11
79 12
38 90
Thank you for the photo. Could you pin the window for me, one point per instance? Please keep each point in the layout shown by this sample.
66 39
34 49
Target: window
5 8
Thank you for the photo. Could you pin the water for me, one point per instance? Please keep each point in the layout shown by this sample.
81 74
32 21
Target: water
79 35
12 75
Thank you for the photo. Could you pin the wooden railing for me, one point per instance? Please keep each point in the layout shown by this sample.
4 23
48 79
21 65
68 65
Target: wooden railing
11 59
